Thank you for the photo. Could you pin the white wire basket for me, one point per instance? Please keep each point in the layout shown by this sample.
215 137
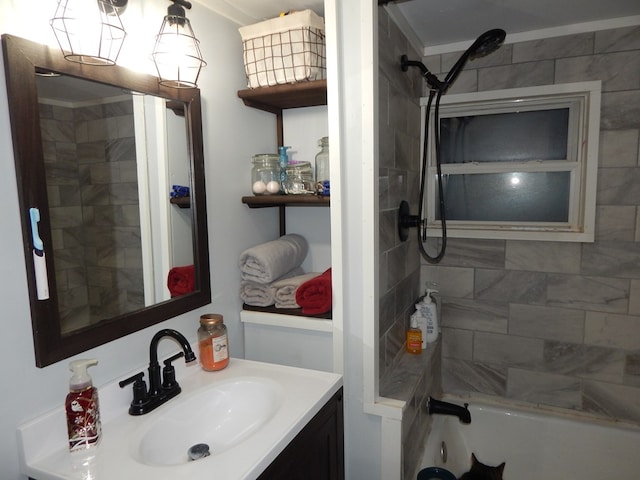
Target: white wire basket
286 49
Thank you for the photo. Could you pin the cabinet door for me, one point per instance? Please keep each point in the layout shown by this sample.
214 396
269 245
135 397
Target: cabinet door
317 452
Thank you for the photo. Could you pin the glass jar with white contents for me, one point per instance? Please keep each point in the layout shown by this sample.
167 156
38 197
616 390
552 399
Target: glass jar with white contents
265 174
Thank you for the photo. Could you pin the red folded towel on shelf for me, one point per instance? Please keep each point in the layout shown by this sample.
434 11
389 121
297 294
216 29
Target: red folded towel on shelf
181 280
314 296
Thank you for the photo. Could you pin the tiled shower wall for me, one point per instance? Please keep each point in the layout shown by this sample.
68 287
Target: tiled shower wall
544 322
93 195
399 150
411 378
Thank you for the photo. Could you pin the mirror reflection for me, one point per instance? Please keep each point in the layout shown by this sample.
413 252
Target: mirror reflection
110 170
111 158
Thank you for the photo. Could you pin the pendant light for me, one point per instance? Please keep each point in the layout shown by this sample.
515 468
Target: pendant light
176 53
89 31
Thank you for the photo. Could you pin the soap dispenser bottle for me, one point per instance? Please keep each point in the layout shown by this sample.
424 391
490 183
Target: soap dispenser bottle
82 407
283 161
429 310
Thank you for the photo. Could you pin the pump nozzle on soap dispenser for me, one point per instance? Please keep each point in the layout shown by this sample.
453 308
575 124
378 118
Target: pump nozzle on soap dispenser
82 407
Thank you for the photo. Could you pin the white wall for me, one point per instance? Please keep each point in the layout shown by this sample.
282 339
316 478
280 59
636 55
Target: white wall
357 241
29 391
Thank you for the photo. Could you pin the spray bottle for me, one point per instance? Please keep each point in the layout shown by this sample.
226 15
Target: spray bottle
82 407
283 161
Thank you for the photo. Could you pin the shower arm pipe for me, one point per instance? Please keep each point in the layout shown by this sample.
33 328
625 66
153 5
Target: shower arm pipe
433 81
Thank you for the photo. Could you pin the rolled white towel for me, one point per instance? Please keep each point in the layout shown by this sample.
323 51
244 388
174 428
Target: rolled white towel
263 294
269 261
257 294
285 289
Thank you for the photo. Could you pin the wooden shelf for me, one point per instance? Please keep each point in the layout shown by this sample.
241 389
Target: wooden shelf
280 97
303 200
182 202
297 312
274 100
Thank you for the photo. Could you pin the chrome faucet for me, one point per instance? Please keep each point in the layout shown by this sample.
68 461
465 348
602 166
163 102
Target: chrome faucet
160 390
445 408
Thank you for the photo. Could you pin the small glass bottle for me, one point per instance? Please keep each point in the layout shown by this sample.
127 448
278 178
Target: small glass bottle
265 174
322 161
213 342
414 337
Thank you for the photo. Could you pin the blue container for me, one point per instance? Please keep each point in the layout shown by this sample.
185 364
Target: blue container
435 473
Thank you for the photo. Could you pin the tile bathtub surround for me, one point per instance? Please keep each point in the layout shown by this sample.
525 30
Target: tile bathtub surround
92 186
399 164
555 323
402 376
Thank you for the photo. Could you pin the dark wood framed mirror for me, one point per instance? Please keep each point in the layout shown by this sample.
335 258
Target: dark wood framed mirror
107 278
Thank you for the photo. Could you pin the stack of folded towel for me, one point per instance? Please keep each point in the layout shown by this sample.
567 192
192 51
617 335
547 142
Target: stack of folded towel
285 290
270 261
272 275
271 269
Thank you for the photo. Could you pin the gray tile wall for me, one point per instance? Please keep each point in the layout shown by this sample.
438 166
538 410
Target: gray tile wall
399 144
93 198
546 322
411 378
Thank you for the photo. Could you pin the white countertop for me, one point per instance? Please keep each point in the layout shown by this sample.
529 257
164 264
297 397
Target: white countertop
43 442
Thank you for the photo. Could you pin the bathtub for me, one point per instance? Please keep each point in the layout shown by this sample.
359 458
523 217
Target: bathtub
535 443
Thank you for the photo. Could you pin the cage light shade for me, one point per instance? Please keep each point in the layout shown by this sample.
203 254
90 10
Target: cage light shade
88 31
176 53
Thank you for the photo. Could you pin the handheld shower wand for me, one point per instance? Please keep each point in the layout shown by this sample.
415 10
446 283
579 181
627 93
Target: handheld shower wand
485 44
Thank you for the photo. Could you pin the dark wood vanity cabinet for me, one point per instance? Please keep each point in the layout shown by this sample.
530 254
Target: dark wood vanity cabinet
317 452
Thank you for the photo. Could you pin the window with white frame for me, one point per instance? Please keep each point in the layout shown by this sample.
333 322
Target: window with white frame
517 164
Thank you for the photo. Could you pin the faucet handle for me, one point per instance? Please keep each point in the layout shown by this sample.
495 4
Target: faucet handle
169 372
139 388
167 362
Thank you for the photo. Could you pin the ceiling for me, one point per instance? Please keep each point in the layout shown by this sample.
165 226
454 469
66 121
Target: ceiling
433 26
439 23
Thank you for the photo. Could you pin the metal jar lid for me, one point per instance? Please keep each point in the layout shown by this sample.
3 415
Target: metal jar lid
210 319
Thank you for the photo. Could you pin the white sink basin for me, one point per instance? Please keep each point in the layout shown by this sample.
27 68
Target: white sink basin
219 416
246 413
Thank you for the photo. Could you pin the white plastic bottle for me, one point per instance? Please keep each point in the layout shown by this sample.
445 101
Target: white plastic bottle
429 311
421 323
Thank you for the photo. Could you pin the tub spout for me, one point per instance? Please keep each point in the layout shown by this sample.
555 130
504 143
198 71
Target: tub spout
437 406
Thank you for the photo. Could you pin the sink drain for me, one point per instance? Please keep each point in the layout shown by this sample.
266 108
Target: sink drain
198 451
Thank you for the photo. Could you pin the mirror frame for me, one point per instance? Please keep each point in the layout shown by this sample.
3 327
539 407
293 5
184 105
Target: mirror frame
21 60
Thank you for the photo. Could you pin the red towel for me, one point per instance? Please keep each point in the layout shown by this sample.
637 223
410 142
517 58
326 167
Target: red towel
314 296
181 280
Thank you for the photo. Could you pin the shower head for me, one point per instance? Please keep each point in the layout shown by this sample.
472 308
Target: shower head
485 44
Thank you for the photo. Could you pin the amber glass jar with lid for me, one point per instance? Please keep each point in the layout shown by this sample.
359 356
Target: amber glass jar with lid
213 345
